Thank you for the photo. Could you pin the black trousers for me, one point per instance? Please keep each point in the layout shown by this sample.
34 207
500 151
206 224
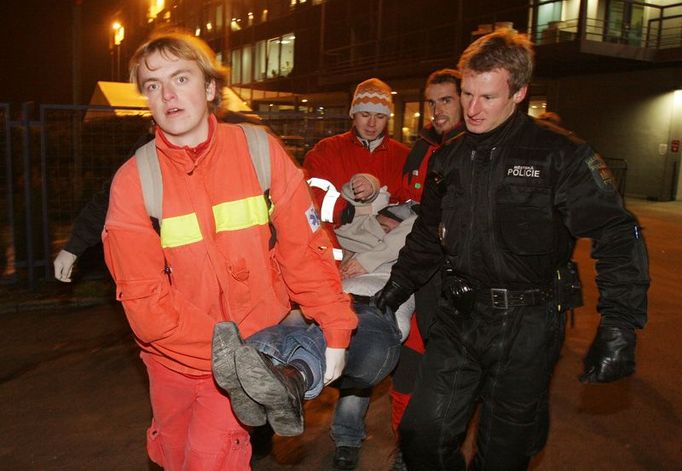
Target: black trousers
505 359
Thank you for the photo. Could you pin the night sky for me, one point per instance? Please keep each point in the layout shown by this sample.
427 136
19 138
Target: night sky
36 44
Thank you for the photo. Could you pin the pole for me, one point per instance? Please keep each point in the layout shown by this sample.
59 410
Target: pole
76 53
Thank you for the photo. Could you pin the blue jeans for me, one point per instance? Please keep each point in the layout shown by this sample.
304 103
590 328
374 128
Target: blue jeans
372 353
348 425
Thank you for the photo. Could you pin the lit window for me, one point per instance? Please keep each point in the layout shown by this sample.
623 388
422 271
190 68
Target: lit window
155 7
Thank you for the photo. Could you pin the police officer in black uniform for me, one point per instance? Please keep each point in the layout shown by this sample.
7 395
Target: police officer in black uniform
500 214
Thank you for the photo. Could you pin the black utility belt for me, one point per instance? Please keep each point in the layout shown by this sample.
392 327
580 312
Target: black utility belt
502 298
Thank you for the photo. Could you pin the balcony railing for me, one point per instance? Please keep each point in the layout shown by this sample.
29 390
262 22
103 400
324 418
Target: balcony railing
662 30
413 47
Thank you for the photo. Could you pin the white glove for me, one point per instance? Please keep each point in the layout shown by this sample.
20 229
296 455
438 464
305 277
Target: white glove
381 201
336 362
63 265
377 204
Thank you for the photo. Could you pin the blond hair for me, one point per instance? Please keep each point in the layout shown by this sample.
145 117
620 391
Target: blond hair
184 46
502 49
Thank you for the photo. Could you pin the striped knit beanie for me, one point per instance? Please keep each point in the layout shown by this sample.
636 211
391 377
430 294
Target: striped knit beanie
372 95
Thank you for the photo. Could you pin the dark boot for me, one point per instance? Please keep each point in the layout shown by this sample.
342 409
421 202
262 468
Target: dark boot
279 388
226 341
346 457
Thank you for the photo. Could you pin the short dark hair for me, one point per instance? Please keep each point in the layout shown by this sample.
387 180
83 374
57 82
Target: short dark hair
444 76
502 49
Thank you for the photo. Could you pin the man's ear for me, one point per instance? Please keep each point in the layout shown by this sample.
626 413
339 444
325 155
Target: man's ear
210 90
520 94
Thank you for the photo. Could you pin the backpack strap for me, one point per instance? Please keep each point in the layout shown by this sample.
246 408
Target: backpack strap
150 171
259 149
150 179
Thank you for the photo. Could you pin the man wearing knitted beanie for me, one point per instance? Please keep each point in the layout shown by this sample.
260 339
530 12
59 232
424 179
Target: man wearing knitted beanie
362 160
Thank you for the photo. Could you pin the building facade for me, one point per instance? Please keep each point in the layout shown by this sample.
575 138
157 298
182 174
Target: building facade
611 68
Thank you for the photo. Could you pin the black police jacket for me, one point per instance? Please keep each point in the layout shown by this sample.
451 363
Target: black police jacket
505 211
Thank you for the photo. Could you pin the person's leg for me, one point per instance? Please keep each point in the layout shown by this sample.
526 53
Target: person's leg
348 426
373 351
405 373
171 395
296 344
226 341
372 355
412 351
277 367
514 416
435 422
216 440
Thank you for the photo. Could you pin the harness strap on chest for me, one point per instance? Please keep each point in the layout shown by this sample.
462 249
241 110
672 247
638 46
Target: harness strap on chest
151 180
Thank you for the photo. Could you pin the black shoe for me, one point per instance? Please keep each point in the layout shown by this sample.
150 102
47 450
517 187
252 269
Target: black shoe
226 341
261 442
346 457
279 388
398 462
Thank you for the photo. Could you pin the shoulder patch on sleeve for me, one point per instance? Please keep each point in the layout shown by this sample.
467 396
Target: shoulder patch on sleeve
313 218
601 173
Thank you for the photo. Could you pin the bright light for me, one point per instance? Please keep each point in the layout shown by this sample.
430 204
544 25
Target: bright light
416 115
209 26
197 32
677 97
394 93
155 7
304 100
119 33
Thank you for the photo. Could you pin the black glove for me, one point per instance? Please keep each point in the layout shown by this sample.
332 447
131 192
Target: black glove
391 296
347 214
611 356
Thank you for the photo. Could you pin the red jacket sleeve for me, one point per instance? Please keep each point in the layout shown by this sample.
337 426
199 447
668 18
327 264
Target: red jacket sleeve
304 253
161 318
317 164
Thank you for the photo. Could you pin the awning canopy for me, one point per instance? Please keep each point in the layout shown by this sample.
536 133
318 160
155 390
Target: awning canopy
124 95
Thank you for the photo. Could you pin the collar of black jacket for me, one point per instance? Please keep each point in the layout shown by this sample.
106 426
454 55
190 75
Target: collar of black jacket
429 134
498 135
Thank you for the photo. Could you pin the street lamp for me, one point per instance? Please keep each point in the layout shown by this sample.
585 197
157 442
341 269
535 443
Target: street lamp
119 36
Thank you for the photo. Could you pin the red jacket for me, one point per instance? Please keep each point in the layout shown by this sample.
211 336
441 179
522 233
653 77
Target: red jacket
339 157
417 162
215 234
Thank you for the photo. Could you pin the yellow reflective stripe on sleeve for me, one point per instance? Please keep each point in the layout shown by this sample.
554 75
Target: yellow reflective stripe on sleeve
180 230
240 214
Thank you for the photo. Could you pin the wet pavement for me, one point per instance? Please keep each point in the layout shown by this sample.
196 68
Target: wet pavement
73 393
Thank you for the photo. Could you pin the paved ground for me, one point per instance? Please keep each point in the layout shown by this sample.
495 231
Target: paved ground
73 394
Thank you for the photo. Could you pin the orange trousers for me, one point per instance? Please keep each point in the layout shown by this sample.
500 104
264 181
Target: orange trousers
193 427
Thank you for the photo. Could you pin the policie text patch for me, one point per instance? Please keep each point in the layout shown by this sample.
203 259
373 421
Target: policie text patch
601 173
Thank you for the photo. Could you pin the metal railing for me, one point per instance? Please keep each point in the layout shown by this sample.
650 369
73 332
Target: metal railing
54 161
662 29
57 159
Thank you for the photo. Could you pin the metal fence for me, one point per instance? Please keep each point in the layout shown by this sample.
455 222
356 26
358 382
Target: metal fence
56 158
